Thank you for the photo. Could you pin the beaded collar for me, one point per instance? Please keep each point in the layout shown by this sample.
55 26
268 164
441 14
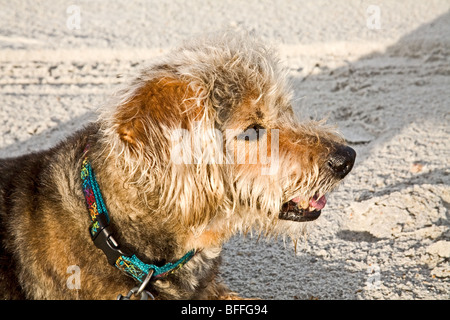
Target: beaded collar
102 235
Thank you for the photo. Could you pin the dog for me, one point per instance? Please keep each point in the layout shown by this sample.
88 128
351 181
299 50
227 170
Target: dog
200 145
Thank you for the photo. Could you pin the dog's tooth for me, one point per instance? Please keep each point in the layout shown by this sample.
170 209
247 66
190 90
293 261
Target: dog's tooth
303 204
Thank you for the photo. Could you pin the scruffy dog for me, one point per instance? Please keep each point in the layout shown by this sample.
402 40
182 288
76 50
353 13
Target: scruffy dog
200 145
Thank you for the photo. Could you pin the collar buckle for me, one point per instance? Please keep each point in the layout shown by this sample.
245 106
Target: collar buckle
105 241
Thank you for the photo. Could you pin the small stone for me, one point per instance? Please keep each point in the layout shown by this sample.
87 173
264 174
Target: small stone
441 272
440 248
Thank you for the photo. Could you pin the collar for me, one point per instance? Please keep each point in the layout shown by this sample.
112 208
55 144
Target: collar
103 238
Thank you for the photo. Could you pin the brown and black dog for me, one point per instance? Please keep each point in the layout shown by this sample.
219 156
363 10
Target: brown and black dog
200 145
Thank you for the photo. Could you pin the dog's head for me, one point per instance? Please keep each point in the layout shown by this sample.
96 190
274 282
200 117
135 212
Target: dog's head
209 136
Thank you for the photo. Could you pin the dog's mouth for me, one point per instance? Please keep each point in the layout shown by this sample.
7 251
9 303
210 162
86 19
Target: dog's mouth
303 209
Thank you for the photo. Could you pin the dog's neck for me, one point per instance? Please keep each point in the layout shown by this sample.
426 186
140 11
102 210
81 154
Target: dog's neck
102 234
142 220
132 219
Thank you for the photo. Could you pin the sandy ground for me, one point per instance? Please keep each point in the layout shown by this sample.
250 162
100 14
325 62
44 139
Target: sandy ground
385 82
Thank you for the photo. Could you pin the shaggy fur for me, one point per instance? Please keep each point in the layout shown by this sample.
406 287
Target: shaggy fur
218 86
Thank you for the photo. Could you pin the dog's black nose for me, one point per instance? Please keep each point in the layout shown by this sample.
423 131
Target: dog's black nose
341 161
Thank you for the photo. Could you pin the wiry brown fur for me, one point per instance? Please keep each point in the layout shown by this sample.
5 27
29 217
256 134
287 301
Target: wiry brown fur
160 208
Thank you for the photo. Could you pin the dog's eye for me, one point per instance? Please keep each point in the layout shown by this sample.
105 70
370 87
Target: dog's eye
252 132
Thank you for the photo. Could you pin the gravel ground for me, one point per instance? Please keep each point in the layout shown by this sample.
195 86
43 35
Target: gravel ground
385 83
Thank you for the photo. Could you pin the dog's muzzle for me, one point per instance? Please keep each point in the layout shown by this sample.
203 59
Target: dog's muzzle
340 163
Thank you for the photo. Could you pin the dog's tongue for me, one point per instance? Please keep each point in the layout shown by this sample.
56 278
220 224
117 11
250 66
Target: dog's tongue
318 204
314 202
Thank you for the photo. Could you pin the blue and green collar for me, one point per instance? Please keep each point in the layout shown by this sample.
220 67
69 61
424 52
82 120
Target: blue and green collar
102 235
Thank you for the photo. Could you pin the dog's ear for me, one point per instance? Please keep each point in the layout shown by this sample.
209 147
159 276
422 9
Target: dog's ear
146 125
156 106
